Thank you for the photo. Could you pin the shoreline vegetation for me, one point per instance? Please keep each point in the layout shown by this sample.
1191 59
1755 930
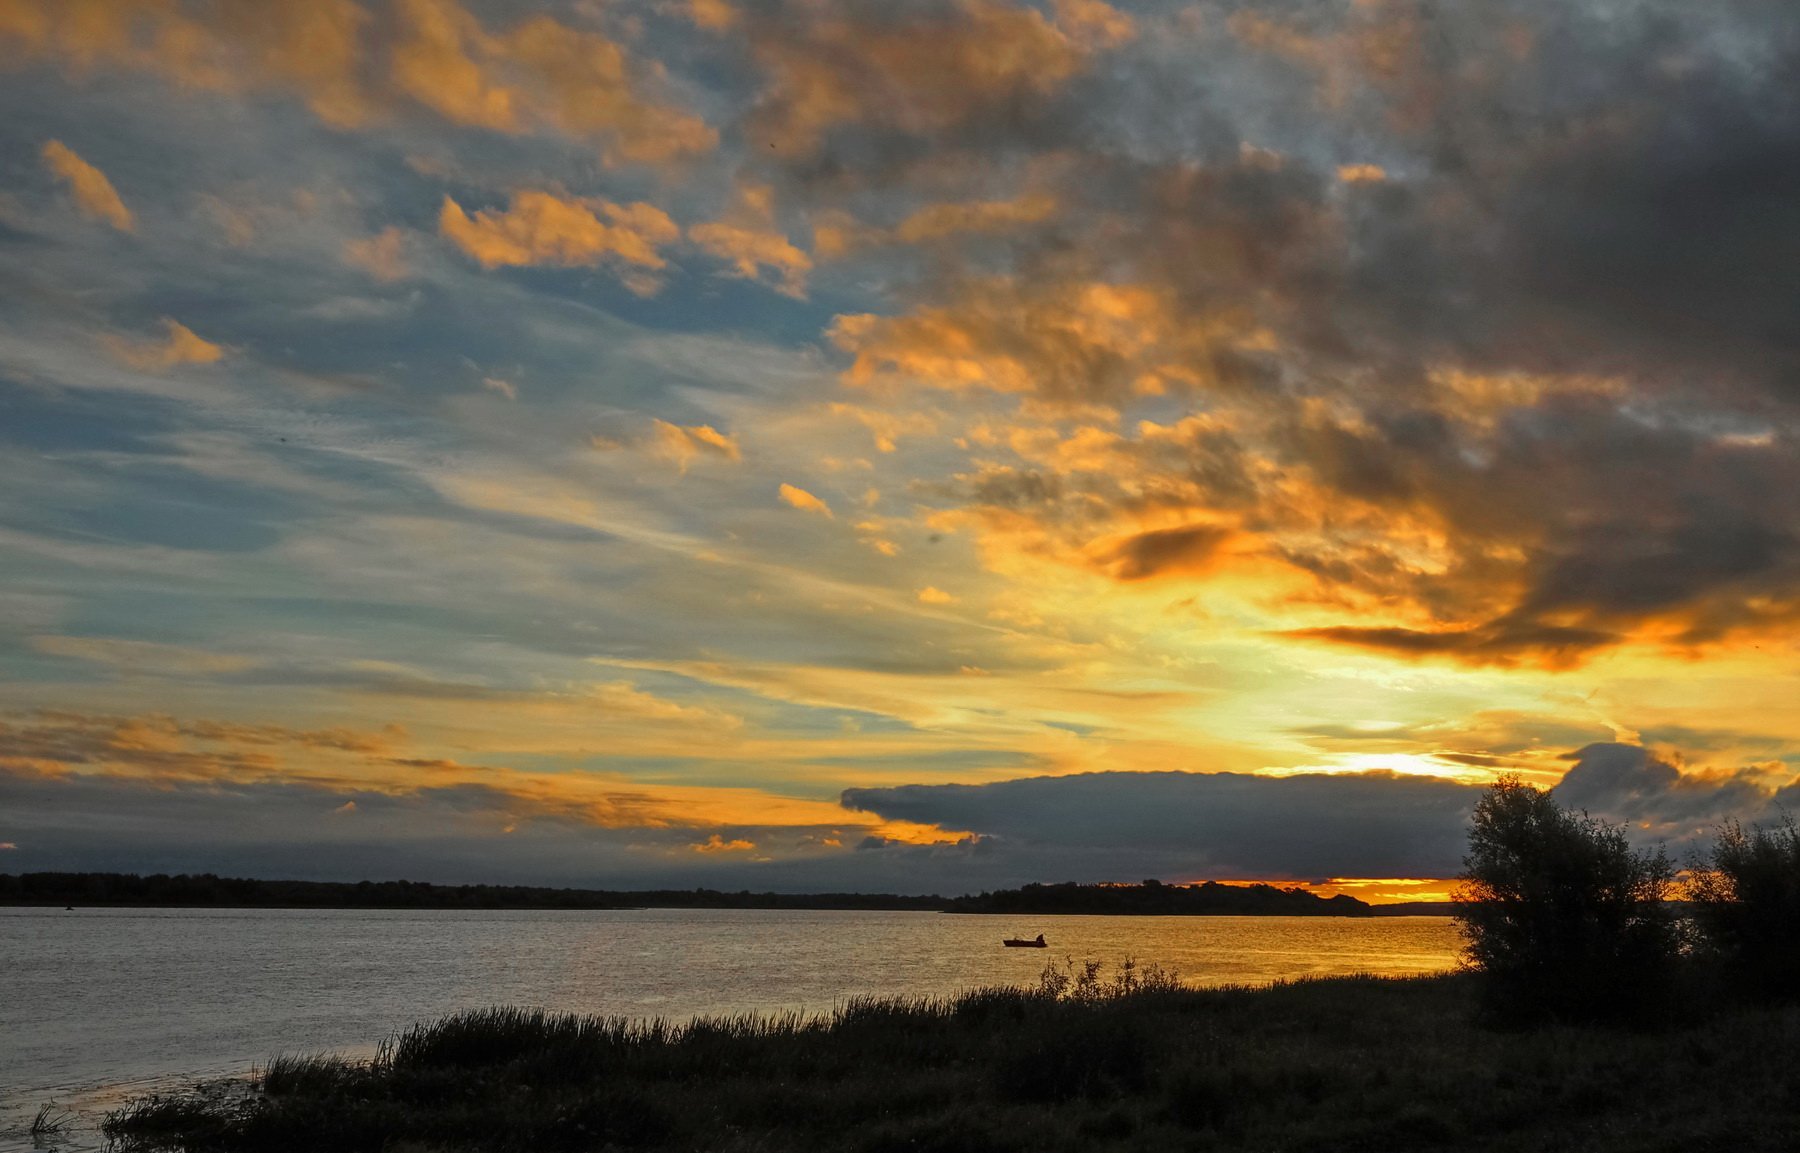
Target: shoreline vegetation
1149 898
1591 1014
1084 1061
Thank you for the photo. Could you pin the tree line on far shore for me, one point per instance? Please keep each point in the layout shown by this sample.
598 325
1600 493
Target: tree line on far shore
1564 921
204 890
1156 899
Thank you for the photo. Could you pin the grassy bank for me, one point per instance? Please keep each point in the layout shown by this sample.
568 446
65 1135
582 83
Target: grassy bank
1341 1064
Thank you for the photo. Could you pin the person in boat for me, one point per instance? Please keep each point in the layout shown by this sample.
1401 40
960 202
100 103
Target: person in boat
1040 939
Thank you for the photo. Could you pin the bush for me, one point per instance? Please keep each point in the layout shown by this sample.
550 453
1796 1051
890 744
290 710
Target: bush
1560 916
1747 901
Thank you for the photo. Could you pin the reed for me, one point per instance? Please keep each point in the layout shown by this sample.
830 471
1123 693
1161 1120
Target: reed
50 1121
1349 1063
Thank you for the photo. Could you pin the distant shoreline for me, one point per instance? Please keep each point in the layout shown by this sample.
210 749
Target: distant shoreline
206 891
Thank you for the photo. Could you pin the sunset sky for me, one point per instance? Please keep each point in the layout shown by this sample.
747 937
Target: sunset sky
916 446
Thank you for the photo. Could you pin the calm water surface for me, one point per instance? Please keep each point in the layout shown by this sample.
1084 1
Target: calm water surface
97 1004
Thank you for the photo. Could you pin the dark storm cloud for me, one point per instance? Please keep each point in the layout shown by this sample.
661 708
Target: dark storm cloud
1645 217
1632 784
1591 213
1497 644
1618 521
1101 826
1205 824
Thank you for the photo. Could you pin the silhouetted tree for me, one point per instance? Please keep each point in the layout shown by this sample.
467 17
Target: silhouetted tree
1747 901
1561 917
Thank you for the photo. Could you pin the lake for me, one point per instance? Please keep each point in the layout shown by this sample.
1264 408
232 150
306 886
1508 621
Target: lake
101 1004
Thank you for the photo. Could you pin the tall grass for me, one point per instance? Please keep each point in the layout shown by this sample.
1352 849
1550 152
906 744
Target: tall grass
1086 1060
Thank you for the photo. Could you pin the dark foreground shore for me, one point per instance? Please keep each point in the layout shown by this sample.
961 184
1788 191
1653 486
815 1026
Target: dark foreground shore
1342 1064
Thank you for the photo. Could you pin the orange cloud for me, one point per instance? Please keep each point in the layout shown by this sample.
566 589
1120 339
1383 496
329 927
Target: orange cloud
936 221
539 74
718 844
163 750
747 239
542 228
803 500
681 443
1361 173
382 256
314 48
930 595
712 15
180 346
887 426
836 234
351 68
1063 341
159 747
93 192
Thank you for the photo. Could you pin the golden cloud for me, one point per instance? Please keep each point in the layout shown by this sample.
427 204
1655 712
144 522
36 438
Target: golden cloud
1361 173
836 234
180 346
747 239
624 698
712 15
718 844
233 46
159 747
887 426
539 74
351 66
543 228
162 750
681 443
803 500
935 221
93 192
1064 342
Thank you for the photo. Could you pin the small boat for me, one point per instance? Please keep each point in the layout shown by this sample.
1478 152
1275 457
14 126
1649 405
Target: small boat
1022 943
